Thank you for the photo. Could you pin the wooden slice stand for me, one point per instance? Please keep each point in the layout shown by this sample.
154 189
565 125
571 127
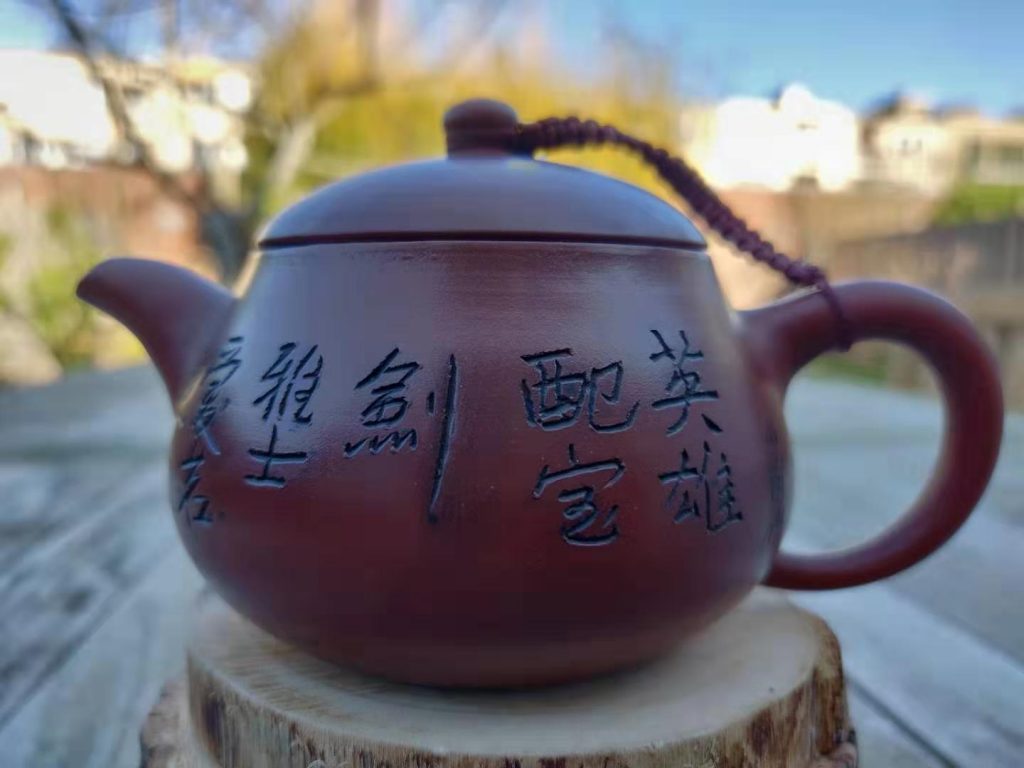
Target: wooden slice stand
763 687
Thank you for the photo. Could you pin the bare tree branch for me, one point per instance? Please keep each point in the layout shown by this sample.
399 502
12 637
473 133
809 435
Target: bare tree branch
116 106
225 232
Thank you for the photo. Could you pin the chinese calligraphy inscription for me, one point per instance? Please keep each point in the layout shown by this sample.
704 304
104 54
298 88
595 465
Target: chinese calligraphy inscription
388 386
706 492
290 381
585 523
195 505
684 386
558 398
562 395
703 489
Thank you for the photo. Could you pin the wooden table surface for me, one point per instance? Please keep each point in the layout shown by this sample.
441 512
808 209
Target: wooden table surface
95 589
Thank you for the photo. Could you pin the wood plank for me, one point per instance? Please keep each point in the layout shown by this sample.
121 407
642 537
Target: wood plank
42 500
882 742
973 582
836 412
824 411
121 668
88 714
847 492
861 456
123 411
58 593
872 433
965 583
79 396
959 695
873 482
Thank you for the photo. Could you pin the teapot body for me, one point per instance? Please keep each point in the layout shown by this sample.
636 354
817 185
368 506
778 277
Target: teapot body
481 462
487 420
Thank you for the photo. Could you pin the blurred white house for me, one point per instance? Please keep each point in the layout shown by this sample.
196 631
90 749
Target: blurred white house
774 143
799 139
61 154
908 142
53 113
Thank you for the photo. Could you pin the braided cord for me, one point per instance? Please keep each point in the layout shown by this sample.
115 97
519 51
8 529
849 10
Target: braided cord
560 132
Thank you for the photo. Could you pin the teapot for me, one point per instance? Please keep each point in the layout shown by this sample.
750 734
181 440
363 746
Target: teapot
488 421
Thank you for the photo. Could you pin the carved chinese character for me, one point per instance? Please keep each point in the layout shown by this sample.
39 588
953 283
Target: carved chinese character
558 397
684 386
389 387
726 511
585 523
388 383
291 382
696 493
229 359
375 444
291 379
269 457
195 505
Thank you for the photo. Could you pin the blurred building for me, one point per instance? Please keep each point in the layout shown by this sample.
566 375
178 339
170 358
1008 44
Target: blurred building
71 191
188 112
907 142
792 139
797 140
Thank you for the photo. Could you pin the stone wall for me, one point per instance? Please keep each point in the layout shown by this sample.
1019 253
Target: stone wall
808 224
977 266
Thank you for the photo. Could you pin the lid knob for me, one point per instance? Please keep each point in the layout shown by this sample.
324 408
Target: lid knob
480 125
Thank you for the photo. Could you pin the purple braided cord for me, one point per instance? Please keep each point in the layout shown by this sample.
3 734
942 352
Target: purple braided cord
558 132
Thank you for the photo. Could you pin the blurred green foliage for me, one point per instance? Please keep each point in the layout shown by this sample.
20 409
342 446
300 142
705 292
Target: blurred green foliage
75 334
976 202
360 122
66 325
332 99
5 249
862 369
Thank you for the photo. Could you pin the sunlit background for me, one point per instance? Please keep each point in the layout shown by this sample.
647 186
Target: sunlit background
876 139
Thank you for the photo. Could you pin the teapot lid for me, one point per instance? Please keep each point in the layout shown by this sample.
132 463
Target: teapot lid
485 189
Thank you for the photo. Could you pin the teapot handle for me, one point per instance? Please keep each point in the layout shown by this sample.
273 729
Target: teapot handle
785 336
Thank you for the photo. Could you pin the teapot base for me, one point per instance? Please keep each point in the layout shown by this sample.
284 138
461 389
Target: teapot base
765 668
478 662
515 666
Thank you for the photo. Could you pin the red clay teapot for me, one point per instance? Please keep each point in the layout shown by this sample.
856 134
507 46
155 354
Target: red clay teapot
488 421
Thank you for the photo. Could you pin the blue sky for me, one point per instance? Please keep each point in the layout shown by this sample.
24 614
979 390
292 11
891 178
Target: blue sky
851 50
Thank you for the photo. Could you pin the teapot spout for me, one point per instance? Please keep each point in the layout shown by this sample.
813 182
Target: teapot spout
176 314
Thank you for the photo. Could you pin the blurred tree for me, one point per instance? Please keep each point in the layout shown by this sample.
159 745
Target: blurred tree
45 303
342 86
5 249
67 327
977 202
225 229
631 85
